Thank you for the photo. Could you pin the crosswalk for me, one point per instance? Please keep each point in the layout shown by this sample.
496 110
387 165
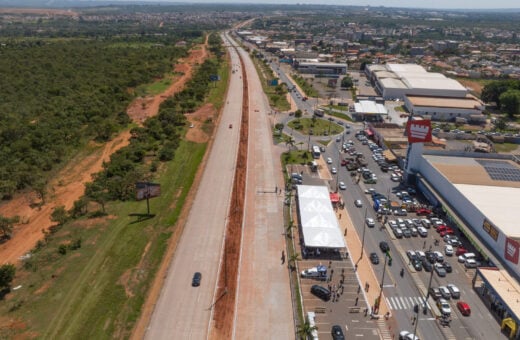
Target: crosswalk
383 330
405 302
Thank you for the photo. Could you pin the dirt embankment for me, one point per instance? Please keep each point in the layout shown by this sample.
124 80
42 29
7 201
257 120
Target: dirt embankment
69 185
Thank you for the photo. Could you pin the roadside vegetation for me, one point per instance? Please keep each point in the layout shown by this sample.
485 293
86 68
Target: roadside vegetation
89 276
275 93
315 126
307 88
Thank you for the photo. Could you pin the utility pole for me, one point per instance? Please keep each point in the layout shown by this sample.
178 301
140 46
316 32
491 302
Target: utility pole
382 281
425 307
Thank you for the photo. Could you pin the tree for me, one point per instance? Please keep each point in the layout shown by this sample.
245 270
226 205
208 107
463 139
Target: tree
298 113
510 102
501 123
279 126
305 330
7 272
347 82
59 215
6 225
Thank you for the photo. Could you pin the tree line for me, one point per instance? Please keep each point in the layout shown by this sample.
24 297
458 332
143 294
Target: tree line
56 95
506 95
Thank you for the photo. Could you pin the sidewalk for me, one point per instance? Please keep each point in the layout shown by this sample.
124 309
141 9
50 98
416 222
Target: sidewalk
366 275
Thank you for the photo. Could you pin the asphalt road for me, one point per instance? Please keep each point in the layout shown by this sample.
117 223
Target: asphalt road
183 311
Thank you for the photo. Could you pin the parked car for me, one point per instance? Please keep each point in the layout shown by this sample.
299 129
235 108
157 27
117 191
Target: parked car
397 233
430 256
466 256
464 308
461 251
337 333
321 292
444 307
417 265
374 258
426 265
438 256
423 212
447 267
448 250
384 246
454 291
439 269
411 255
435 293
195 281
445 292
470 263
426 223
423 232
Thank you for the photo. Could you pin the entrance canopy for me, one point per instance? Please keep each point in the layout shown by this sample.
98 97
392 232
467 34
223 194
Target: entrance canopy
319 223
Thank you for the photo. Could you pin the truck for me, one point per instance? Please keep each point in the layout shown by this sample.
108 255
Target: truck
319 112
319 272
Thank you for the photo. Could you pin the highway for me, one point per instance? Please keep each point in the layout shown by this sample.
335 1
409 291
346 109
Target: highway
183 311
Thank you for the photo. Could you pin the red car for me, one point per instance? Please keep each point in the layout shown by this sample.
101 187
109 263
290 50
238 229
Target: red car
423 212
461 251
464 308
448 231
343 162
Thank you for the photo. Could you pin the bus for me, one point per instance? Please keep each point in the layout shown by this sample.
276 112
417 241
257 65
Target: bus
316 151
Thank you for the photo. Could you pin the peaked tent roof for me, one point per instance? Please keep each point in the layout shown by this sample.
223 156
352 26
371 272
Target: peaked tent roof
319 223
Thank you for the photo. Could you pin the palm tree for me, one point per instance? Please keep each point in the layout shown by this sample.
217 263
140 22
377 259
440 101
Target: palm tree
288 229
292 260
305 330
289 142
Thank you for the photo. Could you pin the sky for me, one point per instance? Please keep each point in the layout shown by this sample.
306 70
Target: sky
437 4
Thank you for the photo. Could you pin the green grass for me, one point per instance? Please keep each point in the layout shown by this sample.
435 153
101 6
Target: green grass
505 147
296 157
309 90
156 87
85 297
217 94
339 115
318 126
277 101
401 108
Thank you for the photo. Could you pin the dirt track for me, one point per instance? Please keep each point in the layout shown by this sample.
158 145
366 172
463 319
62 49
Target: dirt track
68 186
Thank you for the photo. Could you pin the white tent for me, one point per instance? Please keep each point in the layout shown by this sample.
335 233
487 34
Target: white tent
319 223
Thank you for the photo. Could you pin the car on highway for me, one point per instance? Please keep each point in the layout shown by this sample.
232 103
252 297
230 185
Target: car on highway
439 269
448 250
329 160
333 170
337 333
370 222
464 308
454 291
195 281
445 292
384 246
435 293
444 307
358 203
374 258
342 186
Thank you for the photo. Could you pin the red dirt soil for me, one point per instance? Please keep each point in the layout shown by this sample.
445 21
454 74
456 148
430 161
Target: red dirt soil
69 185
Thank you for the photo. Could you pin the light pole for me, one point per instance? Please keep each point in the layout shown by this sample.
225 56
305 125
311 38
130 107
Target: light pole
363 238
382 281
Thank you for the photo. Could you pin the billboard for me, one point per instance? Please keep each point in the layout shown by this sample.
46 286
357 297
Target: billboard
511 250
419 131
146 190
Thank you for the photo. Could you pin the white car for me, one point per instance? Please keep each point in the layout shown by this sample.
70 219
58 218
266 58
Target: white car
358 203
444 306
448 250
334 171
342 186
470 263
422 231
329 160
405 335
370 222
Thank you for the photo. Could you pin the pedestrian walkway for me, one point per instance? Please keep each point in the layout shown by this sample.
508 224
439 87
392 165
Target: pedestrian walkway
405 302
386 334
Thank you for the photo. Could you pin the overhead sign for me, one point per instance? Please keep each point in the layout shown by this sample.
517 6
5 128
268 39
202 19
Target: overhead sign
419 131
146 190
214 77
511 250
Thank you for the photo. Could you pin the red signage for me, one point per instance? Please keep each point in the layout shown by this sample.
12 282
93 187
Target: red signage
511 250
419 131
